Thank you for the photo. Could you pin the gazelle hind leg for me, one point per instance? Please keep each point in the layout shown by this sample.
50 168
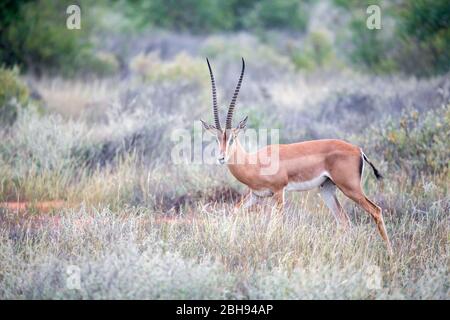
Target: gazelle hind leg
378 217
358 196
328 194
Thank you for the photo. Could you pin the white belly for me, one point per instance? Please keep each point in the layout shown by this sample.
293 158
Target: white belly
263 193
307 185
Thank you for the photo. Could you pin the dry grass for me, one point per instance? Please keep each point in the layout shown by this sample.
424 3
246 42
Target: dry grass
214 251
72 98
138 226
194 244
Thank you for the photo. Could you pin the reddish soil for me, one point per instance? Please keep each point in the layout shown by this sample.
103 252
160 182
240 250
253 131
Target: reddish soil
41 206
24 208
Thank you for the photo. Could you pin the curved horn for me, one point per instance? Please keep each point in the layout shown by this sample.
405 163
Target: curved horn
214 96
235 95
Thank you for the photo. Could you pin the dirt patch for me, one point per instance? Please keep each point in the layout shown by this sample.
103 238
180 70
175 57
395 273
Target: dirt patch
40 206
213 195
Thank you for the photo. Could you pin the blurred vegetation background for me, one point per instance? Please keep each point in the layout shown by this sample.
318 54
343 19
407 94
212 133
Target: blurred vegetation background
414 39
308 62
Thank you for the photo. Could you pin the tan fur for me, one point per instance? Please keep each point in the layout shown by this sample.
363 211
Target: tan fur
302 162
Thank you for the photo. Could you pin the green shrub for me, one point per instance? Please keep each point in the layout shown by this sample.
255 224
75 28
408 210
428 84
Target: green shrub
416 143
38 40
192 15
370 47
316 52
414 37
202 16
232 48
150 67
104 64
13 92
425 27
282 14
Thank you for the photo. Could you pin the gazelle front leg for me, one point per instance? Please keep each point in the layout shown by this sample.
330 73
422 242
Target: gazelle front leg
243 199
278 196
248 201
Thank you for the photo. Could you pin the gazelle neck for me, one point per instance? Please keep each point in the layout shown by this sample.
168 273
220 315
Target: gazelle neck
240 164
238 155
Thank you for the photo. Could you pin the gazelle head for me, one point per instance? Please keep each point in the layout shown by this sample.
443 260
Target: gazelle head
225 137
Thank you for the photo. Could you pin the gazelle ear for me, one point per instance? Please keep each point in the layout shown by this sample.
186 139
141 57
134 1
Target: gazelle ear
242 124
205 125
209 127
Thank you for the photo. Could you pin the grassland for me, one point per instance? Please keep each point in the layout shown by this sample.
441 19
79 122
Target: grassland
136 225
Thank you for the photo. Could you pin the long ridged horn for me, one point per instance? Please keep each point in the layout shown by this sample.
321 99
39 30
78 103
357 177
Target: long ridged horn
233 101
214 96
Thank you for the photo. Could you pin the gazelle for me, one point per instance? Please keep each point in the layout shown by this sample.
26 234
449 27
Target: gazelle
323 164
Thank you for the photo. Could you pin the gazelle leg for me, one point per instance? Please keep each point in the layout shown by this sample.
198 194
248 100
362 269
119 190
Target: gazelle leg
328 194
376 212
279 198
244 199
249 201
358 196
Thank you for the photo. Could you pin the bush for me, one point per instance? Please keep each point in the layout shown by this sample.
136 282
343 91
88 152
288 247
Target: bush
416 143
421 41
316 52
38 41
192 15
282 14
425 26
370 47
257 53
13 92
42 143
219 15
414 38
183 66
105 63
